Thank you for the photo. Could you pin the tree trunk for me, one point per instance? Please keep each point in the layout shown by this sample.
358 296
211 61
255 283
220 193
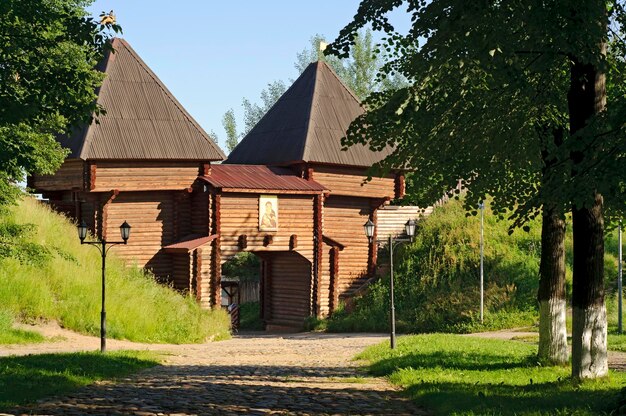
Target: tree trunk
586 98
589 348
551 296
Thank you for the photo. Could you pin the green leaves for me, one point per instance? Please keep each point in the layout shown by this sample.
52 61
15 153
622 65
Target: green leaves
489 84
49 50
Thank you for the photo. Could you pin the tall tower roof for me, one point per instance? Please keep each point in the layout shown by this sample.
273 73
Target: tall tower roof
306 125
143 120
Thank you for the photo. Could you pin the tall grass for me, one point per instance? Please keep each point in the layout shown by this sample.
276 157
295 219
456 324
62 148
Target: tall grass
63 284
437 277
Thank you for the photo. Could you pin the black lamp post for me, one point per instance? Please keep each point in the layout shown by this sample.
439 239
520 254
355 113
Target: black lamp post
409 229
102 246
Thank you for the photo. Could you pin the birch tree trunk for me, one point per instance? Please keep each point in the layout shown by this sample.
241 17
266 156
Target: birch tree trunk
589 327
586 98
551 296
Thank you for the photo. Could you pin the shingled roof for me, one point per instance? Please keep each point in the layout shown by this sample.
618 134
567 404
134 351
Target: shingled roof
143 120
306 125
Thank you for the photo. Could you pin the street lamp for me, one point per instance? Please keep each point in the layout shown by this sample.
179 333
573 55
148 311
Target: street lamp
409 229
102 246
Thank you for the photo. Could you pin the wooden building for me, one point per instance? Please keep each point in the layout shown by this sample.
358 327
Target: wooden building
302 132
136 163
287 193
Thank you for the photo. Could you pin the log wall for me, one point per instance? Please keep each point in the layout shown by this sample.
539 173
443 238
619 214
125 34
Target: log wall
69 176
343 221
151 216
145 175
240 216
350 182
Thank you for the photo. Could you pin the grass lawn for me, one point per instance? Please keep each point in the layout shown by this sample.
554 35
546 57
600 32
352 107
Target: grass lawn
19 336
456 375
10 335
29 378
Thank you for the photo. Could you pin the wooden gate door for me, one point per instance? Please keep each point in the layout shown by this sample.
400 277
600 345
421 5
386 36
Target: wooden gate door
287 290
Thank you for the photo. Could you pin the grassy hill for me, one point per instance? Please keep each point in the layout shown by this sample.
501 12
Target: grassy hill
45 274
437 278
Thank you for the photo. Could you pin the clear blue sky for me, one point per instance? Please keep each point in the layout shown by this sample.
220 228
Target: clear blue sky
211 54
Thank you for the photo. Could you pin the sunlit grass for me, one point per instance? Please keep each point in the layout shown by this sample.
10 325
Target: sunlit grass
29 378
458 375
66 288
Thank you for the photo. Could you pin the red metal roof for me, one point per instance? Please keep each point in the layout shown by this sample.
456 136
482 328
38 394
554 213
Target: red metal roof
190 242
259 178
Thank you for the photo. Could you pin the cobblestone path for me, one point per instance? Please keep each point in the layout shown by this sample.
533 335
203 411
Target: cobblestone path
250 374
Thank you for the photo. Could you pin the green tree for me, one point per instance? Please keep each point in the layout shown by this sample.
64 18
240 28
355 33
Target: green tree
490 102
359 71
230 126
48 79
253 112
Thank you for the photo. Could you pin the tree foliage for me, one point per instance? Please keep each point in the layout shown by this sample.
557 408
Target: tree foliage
230 126
488 93
359 71
48 79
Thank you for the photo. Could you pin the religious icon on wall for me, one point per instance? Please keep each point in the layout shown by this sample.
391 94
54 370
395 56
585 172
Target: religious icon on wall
268 213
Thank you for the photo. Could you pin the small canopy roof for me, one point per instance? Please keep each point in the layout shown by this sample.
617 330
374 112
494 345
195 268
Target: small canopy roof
259 178
306 125
143 120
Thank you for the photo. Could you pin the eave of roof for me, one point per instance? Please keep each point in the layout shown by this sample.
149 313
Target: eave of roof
190 242
260 178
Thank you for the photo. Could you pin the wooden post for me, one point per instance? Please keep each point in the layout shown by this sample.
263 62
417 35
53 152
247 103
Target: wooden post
216 272
267 290
262 289
105 213
400 186
334 279
198 273
317 254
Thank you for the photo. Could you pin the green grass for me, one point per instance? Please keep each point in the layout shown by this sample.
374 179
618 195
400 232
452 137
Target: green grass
29 378
437 278
456 375
47 275
10 335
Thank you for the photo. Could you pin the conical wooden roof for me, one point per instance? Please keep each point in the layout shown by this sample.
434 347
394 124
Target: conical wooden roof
306 125
143 120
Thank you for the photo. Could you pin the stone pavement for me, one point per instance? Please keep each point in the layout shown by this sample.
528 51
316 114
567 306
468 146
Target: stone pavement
304 374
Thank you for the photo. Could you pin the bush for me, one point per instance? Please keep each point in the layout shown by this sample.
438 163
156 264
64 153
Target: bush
65 286
437 278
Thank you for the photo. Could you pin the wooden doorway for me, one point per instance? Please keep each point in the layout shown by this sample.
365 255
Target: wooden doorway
285 290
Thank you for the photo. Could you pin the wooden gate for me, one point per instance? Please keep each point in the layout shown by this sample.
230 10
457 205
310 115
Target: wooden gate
285 290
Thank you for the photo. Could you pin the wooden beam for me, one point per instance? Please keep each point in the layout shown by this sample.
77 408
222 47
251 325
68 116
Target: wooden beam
293 242
92 176
318 242
400 186
105 212
271 191
334 279
242 241
198 274
216 275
